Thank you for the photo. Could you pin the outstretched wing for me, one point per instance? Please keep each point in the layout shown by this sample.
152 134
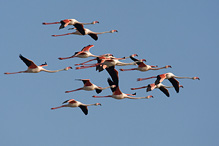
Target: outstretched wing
94 36
110 82
64 23
114 75
175 84
165 91
84 109
87 48
28 62
80 28
160 78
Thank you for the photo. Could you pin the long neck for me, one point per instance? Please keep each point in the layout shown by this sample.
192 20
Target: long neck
102 32
109 87
52 71
87 23
89 104
129 97
124 64
184 77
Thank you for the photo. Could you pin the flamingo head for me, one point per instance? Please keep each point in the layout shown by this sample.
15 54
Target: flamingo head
112 31
194 78
94 22
181 86
150 96
143 60
98 104
67 68
168 66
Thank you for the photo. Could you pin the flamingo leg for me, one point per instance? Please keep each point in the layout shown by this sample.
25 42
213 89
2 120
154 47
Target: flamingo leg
44 23
57 107
101 96
73 90
128 69
85 62
7 73
60 58
139 88
62 34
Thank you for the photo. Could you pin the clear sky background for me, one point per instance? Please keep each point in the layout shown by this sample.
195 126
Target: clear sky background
183 34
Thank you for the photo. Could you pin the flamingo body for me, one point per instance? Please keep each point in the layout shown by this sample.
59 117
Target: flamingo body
73 103
33 68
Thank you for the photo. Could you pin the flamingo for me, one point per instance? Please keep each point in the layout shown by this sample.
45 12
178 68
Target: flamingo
74 22
84 53
33 68
88 86
117 94
144 67
160 86
171 77
74 103
104 55
103 63
87 32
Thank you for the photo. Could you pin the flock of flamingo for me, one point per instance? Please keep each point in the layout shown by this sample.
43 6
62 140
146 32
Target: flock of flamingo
105 61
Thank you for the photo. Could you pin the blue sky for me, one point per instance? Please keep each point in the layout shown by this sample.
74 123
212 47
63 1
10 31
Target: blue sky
183 34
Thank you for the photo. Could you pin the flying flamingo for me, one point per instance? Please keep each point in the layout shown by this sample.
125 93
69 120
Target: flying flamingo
33 68
144 67
84 53
104 55
74 103
117 94
160 86
88 86
74 22
171 77
103 63
87 32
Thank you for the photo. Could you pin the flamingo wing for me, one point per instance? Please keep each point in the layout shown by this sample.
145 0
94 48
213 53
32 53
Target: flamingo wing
110 82
80 28
84 109
94 36
87 48
28 62
64 23
114 75
165 91
160 78
175 84
150 87
141 64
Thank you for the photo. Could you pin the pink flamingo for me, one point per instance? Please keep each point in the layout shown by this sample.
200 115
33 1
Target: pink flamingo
74 22
106 62
33 68
117 94
87 32
160 86
171 77
74 103
84 53
88 86
144 67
